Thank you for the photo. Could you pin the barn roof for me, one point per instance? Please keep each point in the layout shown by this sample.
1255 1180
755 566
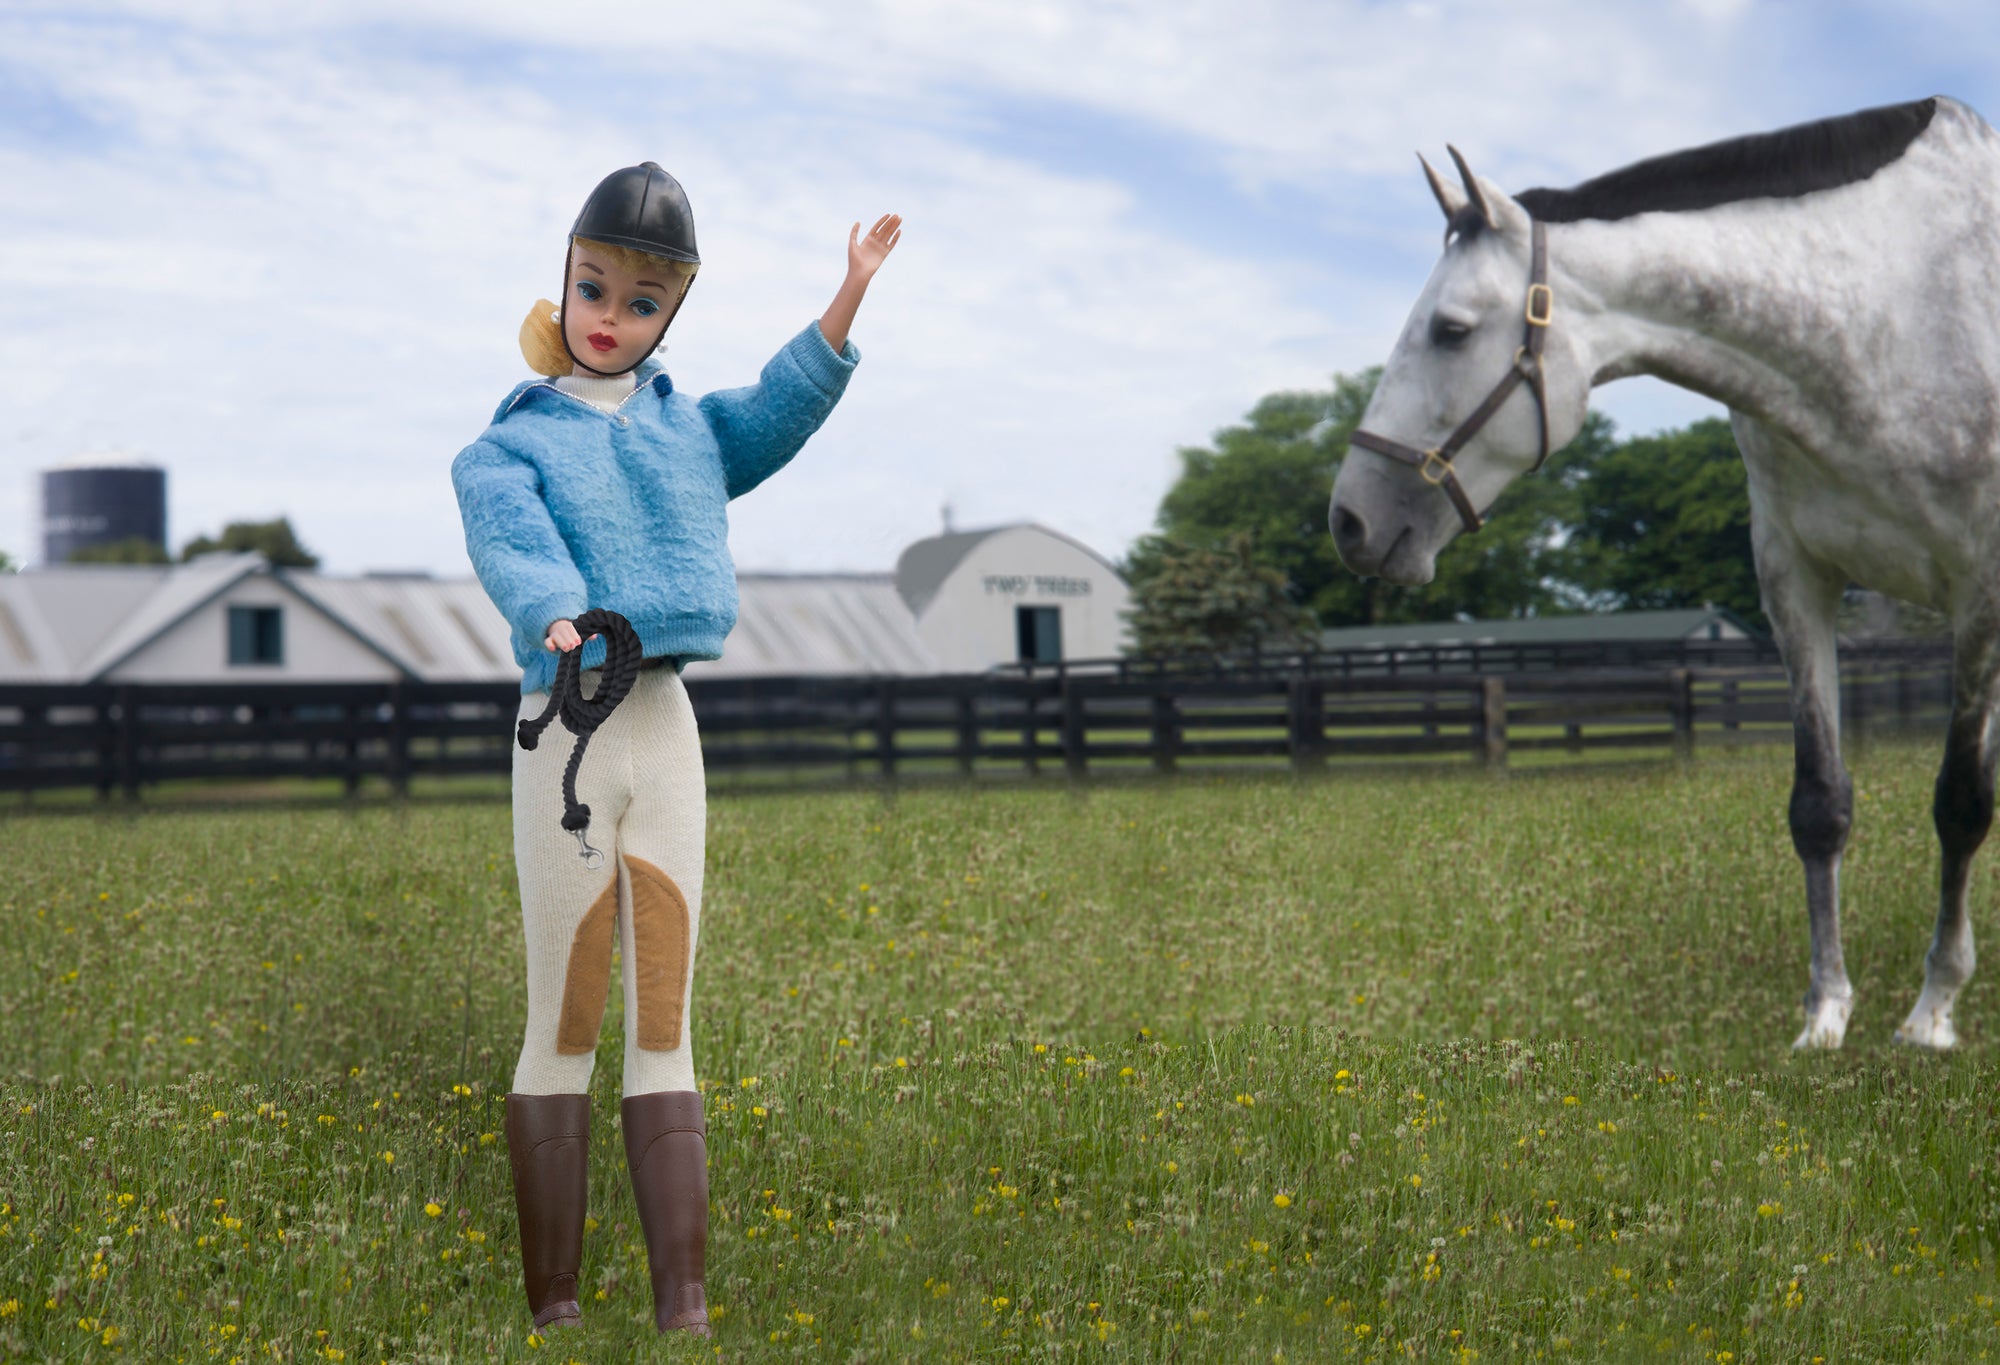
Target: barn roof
923 567
839 624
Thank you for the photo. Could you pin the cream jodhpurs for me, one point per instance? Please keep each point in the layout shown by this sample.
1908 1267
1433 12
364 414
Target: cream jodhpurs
642 779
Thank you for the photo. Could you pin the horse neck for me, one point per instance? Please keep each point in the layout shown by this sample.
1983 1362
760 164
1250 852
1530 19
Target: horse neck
1768 307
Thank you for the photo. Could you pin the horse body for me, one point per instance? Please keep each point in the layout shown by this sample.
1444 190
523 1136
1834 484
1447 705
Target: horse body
1853 330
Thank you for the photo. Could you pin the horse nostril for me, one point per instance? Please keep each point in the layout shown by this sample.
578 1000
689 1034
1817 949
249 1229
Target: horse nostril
1349 531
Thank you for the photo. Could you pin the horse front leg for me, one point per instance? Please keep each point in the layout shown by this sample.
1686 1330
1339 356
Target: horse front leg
1962 808
1801 599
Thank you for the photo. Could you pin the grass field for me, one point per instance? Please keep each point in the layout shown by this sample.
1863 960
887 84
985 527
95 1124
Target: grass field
1218 1070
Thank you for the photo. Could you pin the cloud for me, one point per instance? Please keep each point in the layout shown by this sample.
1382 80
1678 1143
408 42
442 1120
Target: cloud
285 250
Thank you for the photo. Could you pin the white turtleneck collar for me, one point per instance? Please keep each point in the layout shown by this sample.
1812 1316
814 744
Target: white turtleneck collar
603 392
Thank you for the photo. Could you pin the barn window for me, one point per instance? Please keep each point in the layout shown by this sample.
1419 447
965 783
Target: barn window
256 635
1038 630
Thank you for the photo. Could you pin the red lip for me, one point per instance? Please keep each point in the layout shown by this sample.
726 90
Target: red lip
602 342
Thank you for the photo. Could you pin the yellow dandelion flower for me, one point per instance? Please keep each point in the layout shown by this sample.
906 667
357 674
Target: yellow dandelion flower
433 1208
1283 1201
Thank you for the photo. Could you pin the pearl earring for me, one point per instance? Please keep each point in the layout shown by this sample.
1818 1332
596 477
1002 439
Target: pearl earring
556 316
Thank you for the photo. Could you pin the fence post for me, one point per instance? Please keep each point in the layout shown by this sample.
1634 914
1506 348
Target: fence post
399 739
885 728
1854 724
1166 732
106 741
1030 731
1074 761
968 733
350 745
1493 723
128 743
1306 713
1680 703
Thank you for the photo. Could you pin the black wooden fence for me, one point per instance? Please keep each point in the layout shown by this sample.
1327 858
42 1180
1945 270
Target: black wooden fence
1073 721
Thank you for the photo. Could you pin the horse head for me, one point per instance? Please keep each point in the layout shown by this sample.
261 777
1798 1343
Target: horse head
1425 462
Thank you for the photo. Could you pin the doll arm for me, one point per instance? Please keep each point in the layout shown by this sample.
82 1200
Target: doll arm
520 557
864 257
759 428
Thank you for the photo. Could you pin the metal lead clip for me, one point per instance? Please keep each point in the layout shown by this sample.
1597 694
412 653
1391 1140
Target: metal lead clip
592 859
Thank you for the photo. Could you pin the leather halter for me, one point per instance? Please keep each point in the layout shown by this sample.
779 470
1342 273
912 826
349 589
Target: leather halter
1435 464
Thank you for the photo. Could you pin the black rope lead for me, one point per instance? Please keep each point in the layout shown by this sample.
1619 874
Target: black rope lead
582 715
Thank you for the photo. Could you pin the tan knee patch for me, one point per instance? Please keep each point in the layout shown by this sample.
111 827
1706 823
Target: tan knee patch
587 980
660 933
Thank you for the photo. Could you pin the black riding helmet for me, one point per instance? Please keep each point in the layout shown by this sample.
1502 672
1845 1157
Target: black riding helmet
645 209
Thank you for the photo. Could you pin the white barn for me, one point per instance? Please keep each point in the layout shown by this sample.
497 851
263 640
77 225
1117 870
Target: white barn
1012 594
957 603
232 616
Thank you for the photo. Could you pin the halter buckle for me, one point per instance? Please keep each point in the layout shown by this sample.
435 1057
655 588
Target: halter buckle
1432 457
1541 305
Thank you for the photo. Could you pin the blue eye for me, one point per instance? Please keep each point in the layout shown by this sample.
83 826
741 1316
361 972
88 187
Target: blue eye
645 308
589 290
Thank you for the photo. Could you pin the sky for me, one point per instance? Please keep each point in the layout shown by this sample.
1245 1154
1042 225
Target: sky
284 251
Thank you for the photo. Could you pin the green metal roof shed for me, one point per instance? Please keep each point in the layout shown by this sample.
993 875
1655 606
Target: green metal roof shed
1688 623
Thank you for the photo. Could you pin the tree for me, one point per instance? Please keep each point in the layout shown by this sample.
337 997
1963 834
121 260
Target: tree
9 564
130 550
272 539
1664 521
1192 600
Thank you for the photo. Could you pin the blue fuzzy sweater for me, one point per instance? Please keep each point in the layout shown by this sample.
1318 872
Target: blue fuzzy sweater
568 508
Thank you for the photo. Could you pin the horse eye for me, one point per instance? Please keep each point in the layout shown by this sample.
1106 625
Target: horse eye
1445 332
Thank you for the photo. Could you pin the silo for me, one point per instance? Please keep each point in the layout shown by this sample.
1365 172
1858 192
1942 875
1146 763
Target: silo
97 499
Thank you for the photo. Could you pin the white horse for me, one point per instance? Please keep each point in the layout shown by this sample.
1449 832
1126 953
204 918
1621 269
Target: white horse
1837 286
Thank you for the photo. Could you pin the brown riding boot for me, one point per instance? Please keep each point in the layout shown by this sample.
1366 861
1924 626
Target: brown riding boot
548 1141
666 1150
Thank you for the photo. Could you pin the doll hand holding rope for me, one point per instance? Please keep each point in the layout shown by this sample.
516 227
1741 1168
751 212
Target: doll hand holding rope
562 638
864 257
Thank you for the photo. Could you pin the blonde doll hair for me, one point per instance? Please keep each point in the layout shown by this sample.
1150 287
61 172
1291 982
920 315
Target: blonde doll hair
541 334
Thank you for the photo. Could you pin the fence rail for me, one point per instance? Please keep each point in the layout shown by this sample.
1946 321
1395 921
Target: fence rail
127 737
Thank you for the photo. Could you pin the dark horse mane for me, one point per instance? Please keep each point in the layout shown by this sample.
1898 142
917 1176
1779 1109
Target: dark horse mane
1781 165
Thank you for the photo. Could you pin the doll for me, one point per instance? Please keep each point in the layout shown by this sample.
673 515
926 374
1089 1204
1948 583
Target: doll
601 485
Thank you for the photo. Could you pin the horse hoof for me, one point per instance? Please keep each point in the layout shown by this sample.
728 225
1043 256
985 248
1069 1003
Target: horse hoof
1932 1035
1826 1027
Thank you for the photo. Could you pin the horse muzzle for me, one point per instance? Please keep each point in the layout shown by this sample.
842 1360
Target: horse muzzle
1387 547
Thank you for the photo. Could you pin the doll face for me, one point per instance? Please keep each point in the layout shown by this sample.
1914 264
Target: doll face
612 318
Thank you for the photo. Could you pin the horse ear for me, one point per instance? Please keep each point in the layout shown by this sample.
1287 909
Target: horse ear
1473 194
1449 199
